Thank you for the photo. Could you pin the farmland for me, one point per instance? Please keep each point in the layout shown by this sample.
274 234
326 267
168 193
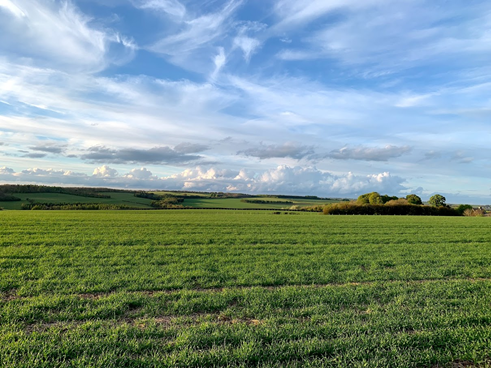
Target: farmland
242 288
190 199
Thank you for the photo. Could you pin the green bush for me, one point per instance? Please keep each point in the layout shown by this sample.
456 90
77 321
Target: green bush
396 209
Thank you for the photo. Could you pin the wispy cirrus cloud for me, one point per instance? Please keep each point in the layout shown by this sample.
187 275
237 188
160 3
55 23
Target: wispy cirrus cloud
196 33
58 35
173 8
385 36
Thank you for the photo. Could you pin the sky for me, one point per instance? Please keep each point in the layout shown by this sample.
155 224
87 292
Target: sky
333 98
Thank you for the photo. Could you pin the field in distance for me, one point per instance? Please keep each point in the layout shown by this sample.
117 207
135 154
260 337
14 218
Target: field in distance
243 288
191 199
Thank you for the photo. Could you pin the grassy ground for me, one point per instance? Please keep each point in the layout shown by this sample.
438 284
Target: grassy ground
243 288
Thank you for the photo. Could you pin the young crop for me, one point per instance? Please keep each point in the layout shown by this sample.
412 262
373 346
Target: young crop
242 288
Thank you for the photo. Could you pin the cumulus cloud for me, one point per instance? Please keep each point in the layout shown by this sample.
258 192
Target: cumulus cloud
369 153
105 172
288 149
155 155
141 174
282 179
6 170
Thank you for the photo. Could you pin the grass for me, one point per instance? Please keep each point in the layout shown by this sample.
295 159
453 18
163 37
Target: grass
242 288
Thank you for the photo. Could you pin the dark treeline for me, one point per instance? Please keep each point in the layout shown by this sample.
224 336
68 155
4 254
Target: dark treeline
4 197
301 197
75 206
78 191
380 209
264 201
148 195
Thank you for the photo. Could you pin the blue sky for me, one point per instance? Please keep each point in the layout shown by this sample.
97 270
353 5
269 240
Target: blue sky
323 97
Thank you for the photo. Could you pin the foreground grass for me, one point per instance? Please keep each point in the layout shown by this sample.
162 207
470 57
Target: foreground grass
225 288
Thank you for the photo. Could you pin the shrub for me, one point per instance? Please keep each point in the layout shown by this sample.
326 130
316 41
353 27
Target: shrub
396 202
462 208
396 209
474 212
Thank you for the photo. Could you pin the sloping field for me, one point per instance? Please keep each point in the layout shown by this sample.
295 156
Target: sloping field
237 203
128 199
243 288
122 198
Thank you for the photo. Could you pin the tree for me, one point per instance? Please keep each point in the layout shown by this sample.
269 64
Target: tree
437 200
363 199
375 198
386 198
414 199
463 207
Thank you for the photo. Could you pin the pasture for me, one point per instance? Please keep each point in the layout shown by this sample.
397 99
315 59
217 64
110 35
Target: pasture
207 288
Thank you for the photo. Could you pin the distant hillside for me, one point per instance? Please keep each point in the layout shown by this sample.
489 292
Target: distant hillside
16 197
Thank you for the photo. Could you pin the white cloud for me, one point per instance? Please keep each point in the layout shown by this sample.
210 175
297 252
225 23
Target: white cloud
248 45
284 179
57 34
10 6
172 7
294 12
385 36
220 60
280 180
6 170
140 174
105 172
198 32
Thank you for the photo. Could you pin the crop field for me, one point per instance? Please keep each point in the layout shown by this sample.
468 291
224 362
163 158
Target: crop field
120 198
128 199
206 288
276 203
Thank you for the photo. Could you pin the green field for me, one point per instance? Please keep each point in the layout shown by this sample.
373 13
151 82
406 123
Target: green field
281 203
121 198
128 199
211 288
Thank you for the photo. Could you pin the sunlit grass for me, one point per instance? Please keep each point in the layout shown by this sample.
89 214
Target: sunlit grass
241 288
